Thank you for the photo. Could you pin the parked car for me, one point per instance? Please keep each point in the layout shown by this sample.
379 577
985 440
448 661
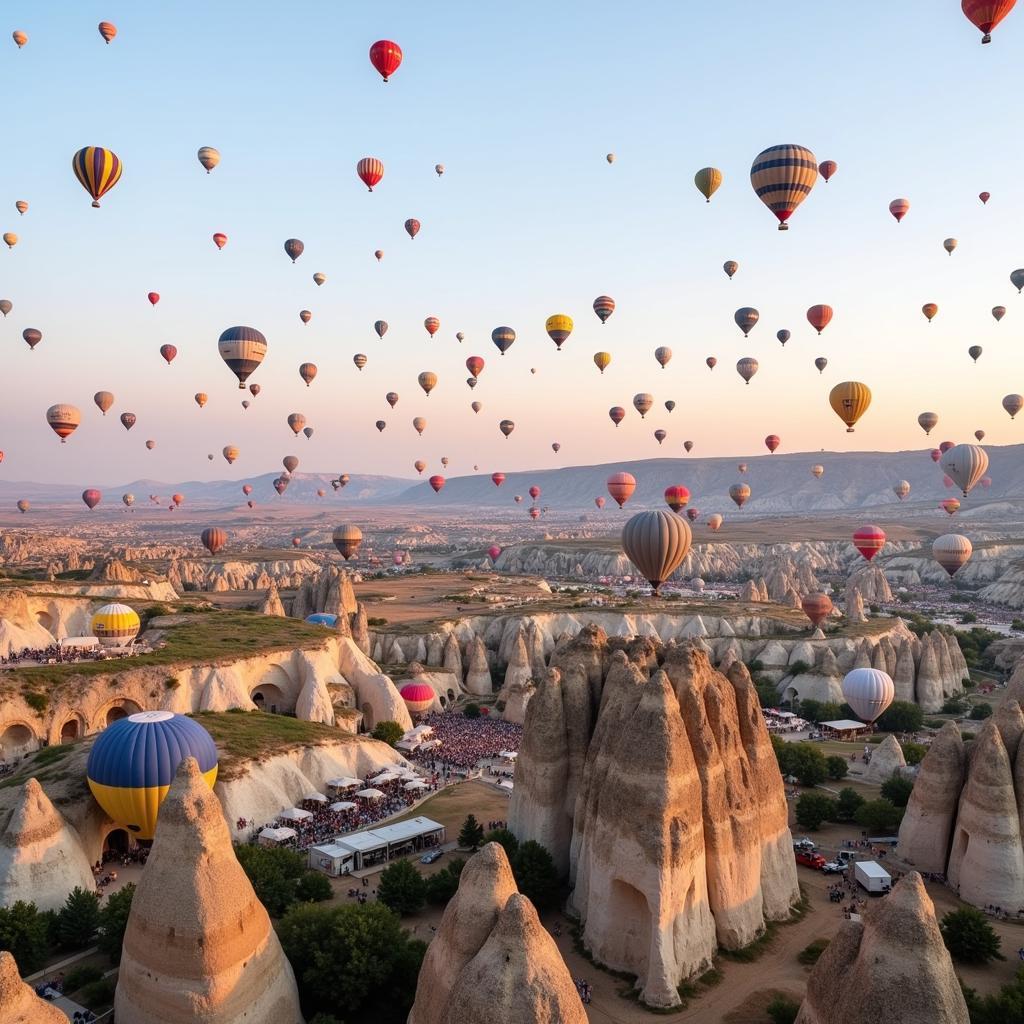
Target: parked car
431 856
834 867
810 860
803 843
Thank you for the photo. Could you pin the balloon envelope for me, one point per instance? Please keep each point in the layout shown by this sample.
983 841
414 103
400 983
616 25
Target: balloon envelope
656 543
869 691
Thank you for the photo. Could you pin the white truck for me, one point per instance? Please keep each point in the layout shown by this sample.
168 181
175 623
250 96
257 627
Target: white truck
872 876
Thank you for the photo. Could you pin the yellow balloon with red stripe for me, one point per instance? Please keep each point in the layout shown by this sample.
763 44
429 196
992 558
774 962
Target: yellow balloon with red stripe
116 625
98 170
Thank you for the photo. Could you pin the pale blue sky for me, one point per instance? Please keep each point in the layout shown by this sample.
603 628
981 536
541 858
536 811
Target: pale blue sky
521 103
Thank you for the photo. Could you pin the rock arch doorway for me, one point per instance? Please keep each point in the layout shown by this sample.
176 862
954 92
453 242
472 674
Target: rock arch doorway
17 740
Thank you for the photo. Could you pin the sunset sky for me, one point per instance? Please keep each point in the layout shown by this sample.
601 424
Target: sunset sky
520 102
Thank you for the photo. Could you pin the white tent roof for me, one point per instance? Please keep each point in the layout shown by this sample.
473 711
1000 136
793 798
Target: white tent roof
344 782
843 725
415 784
508 755
386 776
343 805
370 794
333 850
277 834
506 784
295 814
316 797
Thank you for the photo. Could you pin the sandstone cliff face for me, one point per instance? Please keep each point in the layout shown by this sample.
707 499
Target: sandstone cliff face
199 945
18 1003
891 966
491 959
886 760
41 855
661 796
329 590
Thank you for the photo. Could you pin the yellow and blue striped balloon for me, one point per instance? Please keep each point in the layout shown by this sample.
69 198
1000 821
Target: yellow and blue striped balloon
133 762
98 170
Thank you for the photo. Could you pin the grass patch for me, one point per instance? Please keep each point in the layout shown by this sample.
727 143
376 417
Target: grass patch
811 953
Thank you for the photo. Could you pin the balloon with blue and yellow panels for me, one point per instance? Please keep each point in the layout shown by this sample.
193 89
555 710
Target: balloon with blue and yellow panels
116 625
134 760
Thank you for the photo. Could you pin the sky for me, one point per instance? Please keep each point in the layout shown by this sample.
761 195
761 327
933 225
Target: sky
520 102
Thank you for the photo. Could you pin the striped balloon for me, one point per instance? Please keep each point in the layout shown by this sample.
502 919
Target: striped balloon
243 349
782 177
370 171
98 170
63 420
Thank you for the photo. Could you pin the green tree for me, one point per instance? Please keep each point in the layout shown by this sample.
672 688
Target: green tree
811 710
814 808
471 834
847 804
79 919
955 705
443 884
807 763
836 767
913 753
879 817
402 888
767 694
980 712
969 937
274 872
352 960
782 752
504 838
313 887
388 732
901 716
896 789
536 875
114 922
471 710
782 1010
24 932
1003 1007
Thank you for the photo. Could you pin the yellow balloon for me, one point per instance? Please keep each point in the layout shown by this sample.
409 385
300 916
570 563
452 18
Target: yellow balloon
849 401
707 180
601 360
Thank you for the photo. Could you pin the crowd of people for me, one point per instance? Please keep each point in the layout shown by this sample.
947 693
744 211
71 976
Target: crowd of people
465 742
54 654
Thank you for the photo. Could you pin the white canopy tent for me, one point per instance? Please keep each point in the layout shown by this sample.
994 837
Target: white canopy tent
295 814
370 794
343 805
275 836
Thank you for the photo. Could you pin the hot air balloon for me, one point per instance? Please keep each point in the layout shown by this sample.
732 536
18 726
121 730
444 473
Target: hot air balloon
688 445
559 327
984 15
817 471
602 360
534 492
951 551
899 208
23 506
949 245
783 336
128 500
950 506
984 197
604 306
385 56
739 494
305 315
208 157
493 551
1013 404
294 248
10 239
21 206
104 400
168 352
707 180
621 487
213 538
230 453
6 306
901 489
391 398
1017 279
929 309
503 337
412 228
849 401
419 465
134 760
869 691
359 360
660 435
128 420
436 483
150 445
730 267
427 381
616 414
379 253
281 484
556 447
998 312
21 38
506 427
782 177
247 489
819 317
318 278
670 405
742 467
296 421
979 435
200 398
712 362
308 431
642 402
220 239
869 540
821 362
242 349
935 454
154 298
817 607
747 367
827 168
347 539
91 497
974 352
64 420
370 171
307 371
656 543
98 170
475 365
432 325
419 424
662 355
535 513
715 522
177 499
927 420
676 497
966 464
32 336
772 442
746 318
381 327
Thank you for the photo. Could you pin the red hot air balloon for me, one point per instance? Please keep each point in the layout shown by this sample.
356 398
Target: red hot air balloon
676 497
91 497
436 482
984 197
498 479
493 551
950 505
817 607
946 445
220 239
869 540
827 168
168 352
386 57
534 492
128 420
154 298
935 454
819 317
712 362
432 325
412 227
771 442
475 365
984 15
899 208
370 171
621 487
616 414
692 514
177 499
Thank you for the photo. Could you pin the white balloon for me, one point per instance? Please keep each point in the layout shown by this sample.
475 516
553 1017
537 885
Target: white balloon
869 691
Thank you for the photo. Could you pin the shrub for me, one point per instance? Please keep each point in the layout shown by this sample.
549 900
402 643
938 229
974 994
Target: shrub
402 888
38 702
376 620
969 937
896 789
810 954
913 753
955 705
443 885
313 887
879 817
388 732
782 1010
980 712
79 976
798 668
471 710
536 875
274 873
901 716
98 993
847 804
814 808
806 762
836 767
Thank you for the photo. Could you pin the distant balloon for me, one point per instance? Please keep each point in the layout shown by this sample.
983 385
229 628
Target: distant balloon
817 607
281 485
10 239
621 487
782 178
23 506
308 431
643 402
869 540
436 483
604 306
307 371
230 453
318 278
220 239
746 318
708 180
432 325
817 471
998 312
935 455
984 197
692 514
290 463
503 337
419 424
929 309
670 405
821 362
359 360
739 493
869 691
379 253
899 208
599 502
21 38
254 390
347 538
247 489
1017 279
213 538
662 355
91 497
427 381
927 421
305 315
742 467
475 365
715 522
656 543
610 157
965 464
385 56
849 401
949 245
901 489
559 327
208 157
154 298
979 435
98 170
827 168
6 306
772 442
819 317
104 400
21 206
676 497
168 352
128 420
602 360
950 506
746 368
952 551
32 336
974 352
391 398
439 169
616 414
128 500
150 445
296 421
730 267
294 248
242 349
419 465
1013 404
688 445
506 427
370 171
783 336
660 435
712 362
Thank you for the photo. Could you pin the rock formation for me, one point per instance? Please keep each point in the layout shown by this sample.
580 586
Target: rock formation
853 607
491 959
890 966
18 1003
886 759
478 675
329 591
41 855
661 796
199 945
272 602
